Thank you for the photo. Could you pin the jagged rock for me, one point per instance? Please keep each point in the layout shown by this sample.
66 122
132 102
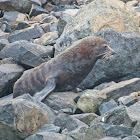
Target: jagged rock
110 138
86 118
3 43
63 8
61 100
107 106
13 16
5 27
104 85
66 121
22 25
49 7
96 16
136 130
36 10
56 14
9 73
4 35
26 34
49 136
61 2
120 64
22 6
40 17
65 18
50 19
133 116
131 138
22 116
125 0
90 101
101 130
47 39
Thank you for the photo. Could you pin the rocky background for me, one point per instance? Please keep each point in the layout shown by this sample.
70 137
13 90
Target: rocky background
34 31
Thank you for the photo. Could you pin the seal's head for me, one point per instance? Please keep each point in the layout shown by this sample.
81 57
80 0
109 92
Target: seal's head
100 48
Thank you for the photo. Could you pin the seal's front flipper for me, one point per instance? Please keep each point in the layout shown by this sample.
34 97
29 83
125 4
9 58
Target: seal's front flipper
50 86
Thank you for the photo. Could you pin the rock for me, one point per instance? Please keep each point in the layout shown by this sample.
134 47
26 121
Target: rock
40 17
50 19
4 35
136 130
47 39
61 100
101 130
22 25
125 0
56 14
96 16
67 121
90 101
66 16
36 10
104 85
49 136
11 50
110 138
133 116
49 7
62 8
61 2
3 43
107 106
126 100
9 73
20 117
131 138
5 27
23 6
26 34
121 63
86 118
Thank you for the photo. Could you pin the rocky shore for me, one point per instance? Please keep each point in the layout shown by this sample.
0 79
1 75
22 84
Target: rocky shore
108 107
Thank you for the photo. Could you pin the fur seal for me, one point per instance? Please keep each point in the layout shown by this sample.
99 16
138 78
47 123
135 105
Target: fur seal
64 72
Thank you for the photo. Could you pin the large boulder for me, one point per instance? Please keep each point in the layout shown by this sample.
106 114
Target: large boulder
22 116
96 16
23 6
126 60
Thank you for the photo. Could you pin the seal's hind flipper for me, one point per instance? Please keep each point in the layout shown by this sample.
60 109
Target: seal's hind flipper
50 86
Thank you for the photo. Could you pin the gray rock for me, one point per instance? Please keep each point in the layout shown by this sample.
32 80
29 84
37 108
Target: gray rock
49 136
131 138
107 106
120 64
101 130
26 34
125 1
36 10
3 43
4 35
22 116
61 100
67 121
50 19
22 25
136 130
21 55
23 6
133 114
61 2
86 117
9 73
65 17
39 50
62 8
5 27
110 138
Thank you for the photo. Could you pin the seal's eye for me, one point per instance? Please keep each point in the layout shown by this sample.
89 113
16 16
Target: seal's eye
105 46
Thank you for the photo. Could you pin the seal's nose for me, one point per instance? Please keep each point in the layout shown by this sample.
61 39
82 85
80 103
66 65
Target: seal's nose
111 51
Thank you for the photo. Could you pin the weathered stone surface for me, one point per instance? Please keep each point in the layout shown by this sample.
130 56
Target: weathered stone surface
136 130
23 6
9 73
4 35
50 19
110 138
67 121
133 116
22 25
101 130
63 8
20 117
26 34
14 16
3 43
107 106
47 39
61 100
61 2
5 27
65 18
96 16
36 10
40 17
86 117
120 64
131 138
48 7
90 101
49 136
